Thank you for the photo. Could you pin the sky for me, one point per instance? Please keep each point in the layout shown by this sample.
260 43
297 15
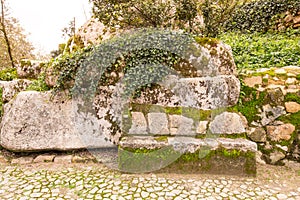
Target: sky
44 20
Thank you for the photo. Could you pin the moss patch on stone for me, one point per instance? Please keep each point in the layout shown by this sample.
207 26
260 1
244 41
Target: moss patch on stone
293 118
202 161
215 162
204 41
161 138
292 97
249 101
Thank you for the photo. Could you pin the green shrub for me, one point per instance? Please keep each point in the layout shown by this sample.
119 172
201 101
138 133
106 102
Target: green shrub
39 84
259 15
8 74
264 50
65 66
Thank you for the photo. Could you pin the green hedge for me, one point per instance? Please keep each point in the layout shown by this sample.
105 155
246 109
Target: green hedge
259 15
258 50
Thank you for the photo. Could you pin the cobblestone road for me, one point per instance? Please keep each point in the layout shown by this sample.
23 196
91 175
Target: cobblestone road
92 181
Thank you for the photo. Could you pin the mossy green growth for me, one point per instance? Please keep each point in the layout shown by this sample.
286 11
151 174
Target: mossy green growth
8 74
161 138
203 160
218 161
293 118
292 97
234 136
249 102
145 160
298 77
174 110
270 72
204 41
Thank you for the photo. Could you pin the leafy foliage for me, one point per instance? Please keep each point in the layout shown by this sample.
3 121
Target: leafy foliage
147 13
217 13
39 84
144 57
259 50
259 15
66 66
8 74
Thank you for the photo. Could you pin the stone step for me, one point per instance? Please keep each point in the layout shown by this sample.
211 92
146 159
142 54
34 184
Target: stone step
187 154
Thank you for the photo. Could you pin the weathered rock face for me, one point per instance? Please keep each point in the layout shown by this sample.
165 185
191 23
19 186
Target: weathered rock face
205 93
11 88
33 122
270 114
228 123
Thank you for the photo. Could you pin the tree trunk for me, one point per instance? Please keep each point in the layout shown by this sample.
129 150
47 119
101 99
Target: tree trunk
3 30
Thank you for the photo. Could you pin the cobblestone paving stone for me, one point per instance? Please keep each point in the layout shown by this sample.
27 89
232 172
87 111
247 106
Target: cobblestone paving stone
84 181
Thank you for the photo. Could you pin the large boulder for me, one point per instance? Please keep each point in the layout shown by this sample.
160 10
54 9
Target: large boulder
33 122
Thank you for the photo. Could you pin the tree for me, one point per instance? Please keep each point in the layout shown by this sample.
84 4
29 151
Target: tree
147 13
4 32
14 45
70 30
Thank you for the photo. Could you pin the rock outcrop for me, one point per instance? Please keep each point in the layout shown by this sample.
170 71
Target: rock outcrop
35 122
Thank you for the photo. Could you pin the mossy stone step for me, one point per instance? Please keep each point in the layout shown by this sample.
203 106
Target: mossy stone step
187 155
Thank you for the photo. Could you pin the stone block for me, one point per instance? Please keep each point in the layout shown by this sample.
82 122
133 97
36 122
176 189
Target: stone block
139 124
252 81
228 123
63 159
281 132
292 107
202 127
142 142
22 160
158 123
44 158
181 125
257 134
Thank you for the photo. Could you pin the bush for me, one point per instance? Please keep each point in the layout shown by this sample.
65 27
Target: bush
217 13
8 74
264 50
259 15
66 65
39 84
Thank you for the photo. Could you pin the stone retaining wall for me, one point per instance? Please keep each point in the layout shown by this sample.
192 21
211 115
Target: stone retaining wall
188 114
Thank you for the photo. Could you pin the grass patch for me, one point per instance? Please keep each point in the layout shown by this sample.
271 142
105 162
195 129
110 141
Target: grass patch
264 50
